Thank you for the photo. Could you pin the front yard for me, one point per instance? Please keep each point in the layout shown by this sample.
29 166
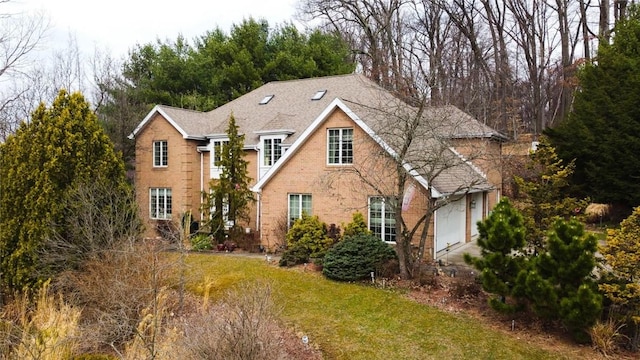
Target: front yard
355 321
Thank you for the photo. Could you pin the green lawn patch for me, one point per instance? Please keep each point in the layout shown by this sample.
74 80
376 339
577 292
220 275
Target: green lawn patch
352 321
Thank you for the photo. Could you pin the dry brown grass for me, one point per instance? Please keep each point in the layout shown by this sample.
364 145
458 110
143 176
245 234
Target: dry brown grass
47 329
242 326
606 336
114 290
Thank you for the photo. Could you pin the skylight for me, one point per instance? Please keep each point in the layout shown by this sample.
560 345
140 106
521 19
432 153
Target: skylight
266 99
319 95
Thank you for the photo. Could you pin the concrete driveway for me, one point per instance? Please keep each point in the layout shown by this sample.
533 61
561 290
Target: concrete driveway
454 255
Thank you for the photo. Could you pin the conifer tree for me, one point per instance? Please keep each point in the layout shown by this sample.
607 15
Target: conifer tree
541 194
559 281
230 196
62 148
501 239
601 131
622 258
307 239
357 226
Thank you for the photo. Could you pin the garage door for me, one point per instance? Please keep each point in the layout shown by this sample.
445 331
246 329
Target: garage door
450 224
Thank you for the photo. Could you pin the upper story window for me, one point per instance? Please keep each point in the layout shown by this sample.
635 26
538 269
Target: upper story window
272 151
340 146
160 158
160 203
382 220
218 147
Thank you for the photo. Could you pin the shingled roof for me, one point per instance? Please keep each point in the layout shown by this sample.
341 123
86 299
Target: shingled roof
292 108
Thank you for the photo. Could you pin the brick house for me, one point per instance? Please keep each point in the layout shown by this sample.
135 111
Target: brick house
326 146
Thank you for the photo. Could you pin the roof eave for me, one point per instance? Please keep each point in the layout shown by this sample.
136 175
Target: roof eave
275 132
145 121
336 103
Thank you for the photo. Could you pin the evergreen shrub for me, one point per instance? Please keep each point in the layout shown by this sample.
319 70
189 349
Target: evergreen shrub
308 238
355 257
201 242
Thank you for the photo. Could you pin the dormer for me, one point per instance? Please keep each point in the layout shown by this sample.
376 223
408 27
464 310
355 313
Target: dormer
271 147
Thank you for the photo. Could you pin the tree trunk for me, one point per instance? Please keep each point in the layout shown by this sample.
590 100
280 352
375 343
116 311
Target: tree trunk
603 29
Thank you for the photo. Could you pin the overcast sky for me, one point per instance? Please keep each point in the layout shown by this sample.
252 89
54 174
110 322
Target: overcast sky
118 25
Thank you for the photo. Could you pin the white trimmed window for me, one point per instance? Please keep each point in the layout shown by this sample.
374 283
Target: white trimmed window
218 146
382 221
272 151
160 153
298 204
340 146
224 207
216 156
160 203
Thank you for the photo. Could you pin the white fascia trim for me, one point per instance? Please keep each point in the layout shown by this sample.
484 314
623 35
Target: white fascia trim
474 168
275 132
158 109
468 162
337 103
224 137
417 177
294 147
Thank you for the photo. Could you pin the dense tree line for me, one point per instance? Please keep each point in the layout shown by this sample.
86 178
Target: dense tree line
213 69
510 63
218 67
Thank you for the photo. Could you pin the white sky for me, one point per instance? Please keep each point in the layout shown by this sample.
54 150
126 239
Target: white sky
118 25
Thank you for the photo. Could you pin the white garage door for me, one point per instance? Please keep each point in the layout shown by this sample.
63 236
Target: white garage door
450 224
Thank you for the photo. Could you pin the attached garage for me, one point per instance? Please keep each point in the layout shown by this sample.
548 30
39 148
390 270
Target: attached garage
450 223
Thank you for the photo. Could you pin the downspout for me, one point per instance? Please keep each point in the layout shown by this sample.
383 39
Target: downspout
201 181
258 150
200 151
435 234
259 215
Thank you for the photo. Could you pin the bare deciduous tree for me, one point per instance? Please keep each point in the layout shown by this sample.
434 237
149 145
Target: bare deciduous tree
510 63
376 31
20 35
410 150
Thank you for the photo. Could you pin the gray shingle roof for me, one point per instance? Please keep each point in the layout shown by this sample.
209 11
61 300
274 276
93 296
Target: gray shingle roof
293 109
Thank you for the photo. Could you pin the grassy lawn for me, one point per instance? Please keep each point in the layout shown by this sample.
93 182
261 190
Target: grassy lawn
349 321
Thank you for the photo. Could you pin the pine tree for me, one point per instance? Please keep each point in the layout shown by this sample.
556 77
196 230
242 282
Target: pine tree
501 239
230 195
61 149
601 131
559 281
622 258
541 194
